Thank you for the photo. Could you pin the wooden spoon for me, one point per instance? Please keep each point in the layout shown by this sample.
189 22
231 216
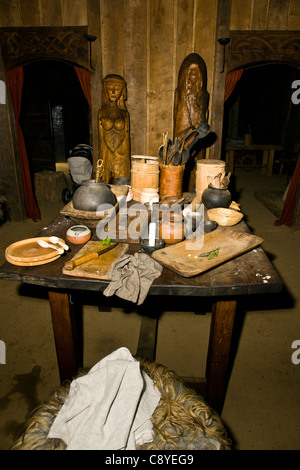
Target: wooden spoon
44 244
57 240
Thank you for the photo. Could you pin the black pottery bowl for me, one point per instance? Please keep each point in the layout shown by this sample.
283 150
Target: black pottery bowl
159 243
210 225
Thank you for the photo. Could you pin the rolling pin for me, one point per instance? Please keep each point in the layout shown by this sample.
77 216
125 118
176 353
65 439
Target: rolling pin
69 265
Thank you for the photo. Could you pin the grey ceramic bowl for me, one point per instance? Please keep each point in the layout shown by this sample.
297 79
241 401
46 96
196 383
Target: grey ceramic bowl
159 243
210 225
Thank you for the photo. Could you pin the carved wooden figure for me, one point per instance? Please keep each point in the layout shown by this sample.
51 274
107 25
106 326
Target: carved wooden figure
191 107
114 129
191 96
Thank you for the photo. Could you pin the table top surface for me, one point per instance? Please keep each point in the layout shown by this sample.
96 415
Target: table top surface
250 273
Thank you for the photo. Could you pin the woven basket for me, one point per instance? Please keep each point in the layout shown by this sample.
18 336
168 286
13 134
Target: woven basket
181 420
225 217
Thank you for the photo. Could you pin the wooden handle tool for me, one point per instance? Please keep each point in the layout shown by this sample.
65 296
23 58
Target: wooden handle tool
69 265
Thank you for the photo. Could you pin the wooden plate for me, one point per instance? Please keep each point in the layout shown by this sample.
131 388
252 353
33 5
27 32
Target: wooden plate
29 253
33 263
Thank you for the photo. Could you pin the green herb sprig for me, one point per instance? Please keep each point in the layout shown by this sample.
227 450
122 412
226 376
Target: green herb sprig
106 241
210 254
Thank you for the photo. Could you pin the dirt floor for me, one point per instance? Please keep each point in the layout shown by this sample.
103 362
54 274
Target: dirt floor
262 407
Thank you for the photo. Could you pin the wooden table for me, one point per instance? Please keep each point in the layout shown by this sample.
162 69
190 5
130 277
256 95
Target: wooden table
222 286
267 158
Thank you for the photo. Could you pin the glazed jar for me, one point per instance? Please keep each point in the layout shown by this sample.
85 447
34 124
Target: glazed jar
215 197
171 228
90 195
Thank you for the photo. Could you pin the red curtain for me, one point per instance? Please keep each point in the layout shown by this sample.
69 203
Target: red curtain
15 85
290 200
231 80
84 77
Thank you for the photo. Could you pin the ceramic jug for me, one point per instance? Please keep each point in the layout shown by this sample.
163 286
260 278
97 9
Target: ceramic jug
90 195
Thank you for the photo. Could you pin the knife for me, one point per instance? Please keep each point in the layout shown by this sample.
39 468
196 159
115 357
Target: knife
69 265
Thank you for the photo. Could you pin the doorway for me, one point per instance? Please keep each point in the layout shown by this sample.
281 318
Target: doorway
260 111
55 114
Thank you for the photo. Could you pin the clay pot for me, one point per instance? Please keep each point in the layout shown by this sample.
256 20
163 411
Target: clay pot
216 197
90 195
171 228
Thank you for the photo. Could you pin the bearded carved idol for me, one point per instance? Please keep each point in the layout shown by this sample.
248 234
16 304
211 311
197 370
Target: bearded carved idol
191 96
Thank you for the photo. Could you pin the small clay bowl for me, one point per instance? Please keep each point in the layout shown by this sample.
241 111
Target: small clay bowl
210 225
159 243
78 234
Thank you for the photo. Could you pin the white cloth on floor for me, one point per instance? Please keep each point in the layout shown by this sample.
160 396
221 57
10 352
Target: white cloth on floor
110 408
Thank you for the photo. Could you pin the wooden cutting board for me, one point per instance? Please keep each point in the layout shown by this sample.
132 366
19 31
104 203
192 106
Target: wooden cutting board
100 267
183 257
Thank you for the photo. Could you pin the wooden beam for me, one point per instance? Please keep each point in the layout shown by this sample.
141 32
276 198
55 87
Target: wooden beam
217 105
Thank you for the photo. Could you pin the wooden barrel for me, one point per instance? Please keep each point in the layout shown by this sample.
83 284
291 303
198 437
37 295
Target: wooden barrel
207 168
170 183
144 174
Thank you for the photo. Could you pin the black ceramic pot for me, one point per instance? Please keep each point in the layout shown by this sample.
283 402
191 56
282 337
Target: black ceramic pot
215 197
90 195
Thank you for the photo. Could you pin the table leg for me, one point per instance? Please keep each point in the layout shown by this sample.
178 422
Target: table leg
65 328
270 162
265 161
147 339
217 365
230 161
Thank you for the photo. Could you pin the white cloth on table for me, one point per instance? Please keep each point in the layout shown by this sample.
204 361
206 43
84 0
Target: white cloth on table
108 408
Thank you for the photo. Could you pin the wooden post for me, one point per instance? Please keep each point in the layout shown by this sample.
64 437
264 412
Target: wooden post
94 28
217 107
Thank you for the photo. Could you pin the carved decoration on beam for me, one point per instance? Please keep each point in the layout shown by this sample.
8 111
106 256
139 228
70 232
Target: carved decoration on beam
22 45
254 47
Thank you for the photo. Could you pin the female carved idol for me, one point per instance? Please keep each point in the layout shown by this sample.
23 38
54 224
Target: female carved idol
114 135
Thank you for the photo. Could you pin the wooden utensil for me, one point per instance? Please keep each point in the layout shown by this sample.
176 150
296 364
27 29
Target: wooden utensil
57 240
44 244
165 146
172 150
193 206
69 265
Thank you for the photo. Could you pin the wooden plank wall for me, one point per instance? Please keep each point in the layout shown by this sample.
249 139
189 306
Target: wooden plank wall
146 41
276 15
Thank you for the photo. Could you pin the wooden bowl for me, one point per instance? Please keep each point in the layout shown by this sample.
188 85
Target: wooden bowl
225 217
